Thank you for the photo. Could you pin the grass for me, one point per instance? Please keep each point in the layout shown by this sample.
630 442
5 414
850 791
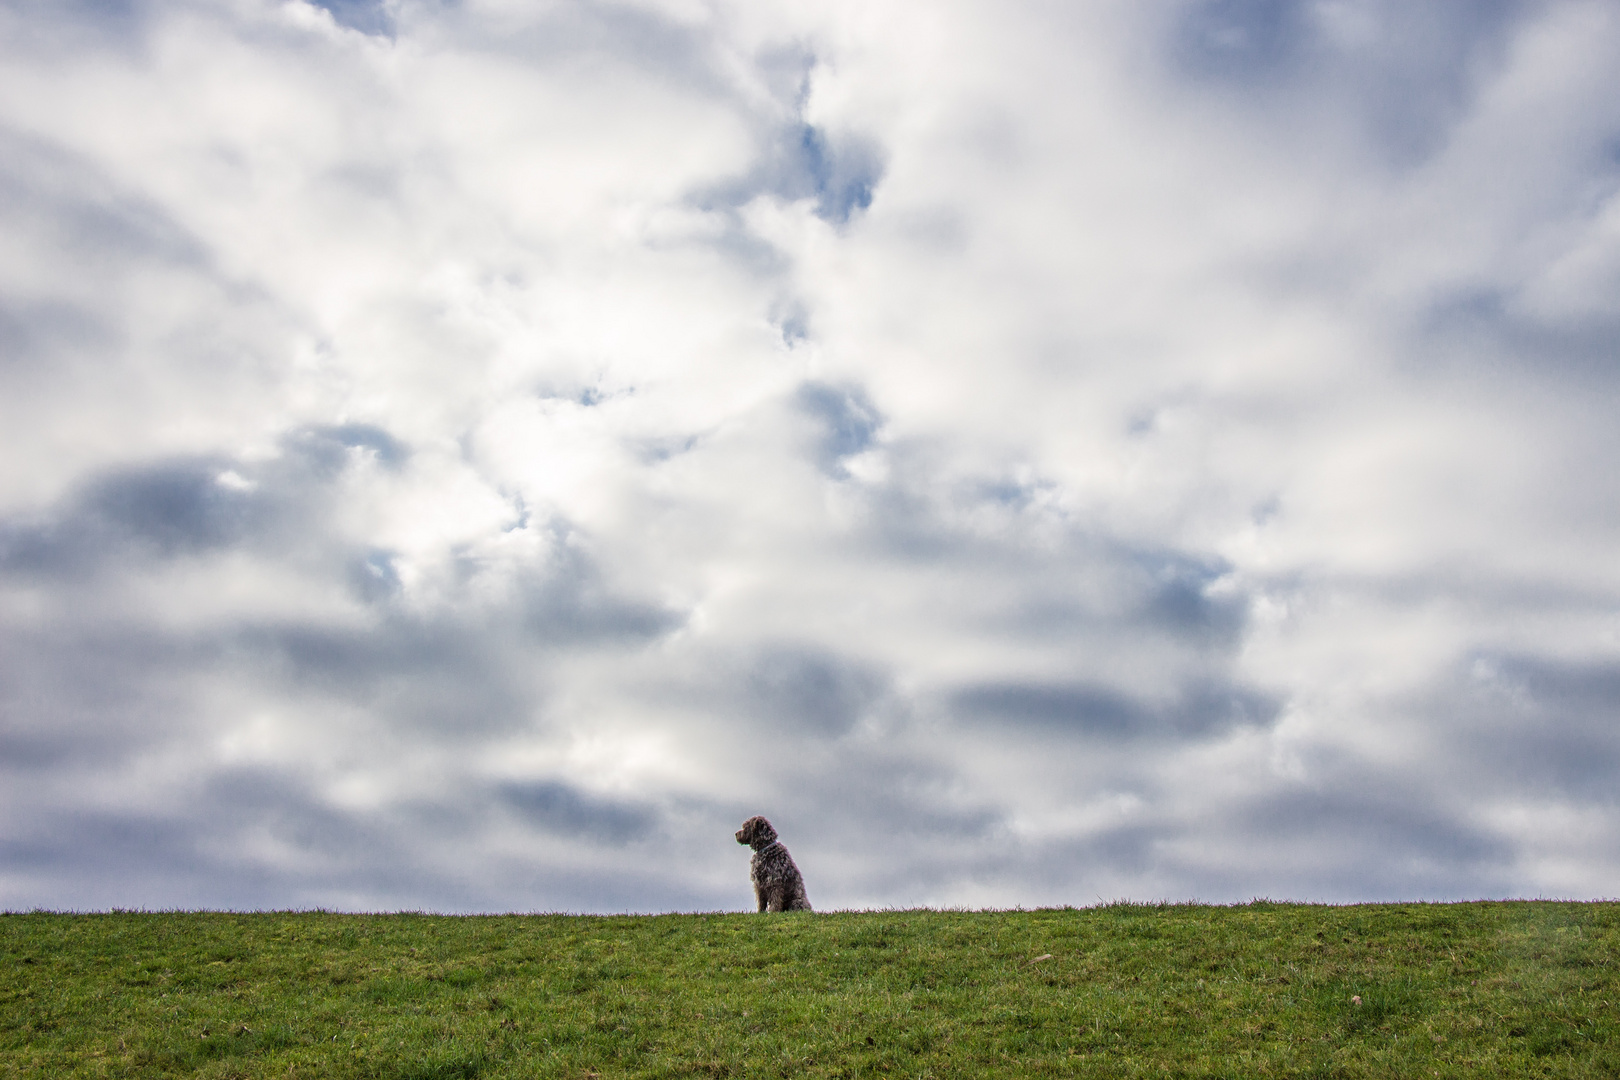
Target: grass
1445 990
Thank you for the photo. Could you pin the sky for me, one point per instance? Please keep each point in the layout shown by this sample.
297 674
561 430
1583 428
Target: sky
468 455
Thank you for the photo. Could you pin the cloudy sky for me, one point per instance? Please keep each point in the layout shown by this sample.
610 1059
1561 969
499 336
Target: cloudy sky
468 455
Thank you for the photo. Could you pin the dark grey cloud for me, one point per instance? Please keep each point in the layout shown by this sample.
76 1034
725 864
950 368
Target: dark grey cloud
86 707
1404 72
1199 710
38 334
213 849
173 508
327 446
1376 821
193 505
1538 725
1281 42
96 677
453 674
61 27
575 604
477 470
435 679
559 807
1178 598
1374 839
811 690
90 694
1481 331
1245 38
781 692
52 192
1371 840
1155 590
366 16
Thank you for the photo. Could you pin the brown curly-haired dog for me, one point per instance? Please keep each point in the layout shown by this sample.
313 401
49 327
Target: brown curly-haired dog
778 885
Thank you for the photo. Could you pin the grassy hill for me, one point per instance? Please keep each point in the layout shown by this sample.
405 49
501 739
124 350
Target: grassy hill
1402 990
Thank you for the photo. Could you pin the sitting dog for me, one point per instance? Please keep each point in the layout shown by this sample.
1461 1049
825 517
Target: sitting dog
777 883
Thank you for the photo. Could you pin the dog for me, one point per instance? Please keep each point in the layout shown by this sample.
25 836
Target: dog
778 885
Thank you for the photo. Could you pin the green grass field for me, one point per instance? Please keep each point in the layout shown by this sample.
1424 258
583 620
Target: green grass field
1403 990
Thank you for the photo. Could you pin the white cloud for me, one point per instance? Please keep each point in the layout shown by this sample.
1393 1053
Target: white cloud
464 456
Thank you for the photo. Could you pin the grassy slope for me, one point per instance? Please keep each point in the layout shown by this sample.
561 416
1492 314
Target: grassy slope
1503 989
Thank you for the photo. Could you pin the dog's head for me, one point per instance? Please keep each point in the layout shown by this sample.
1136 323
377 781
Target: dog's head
756 833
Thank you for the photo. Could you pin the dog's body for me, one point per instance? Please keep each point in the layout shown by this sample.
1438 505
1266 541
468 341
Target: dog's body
778 886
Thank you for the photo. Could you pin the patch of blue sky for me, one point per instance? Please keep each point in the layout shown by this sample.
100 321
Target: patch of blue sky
838 173
848 419
366 16
842 178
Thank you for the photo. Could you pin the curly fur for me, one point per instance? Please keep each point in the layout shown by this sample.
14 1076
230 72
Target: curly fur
778 886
